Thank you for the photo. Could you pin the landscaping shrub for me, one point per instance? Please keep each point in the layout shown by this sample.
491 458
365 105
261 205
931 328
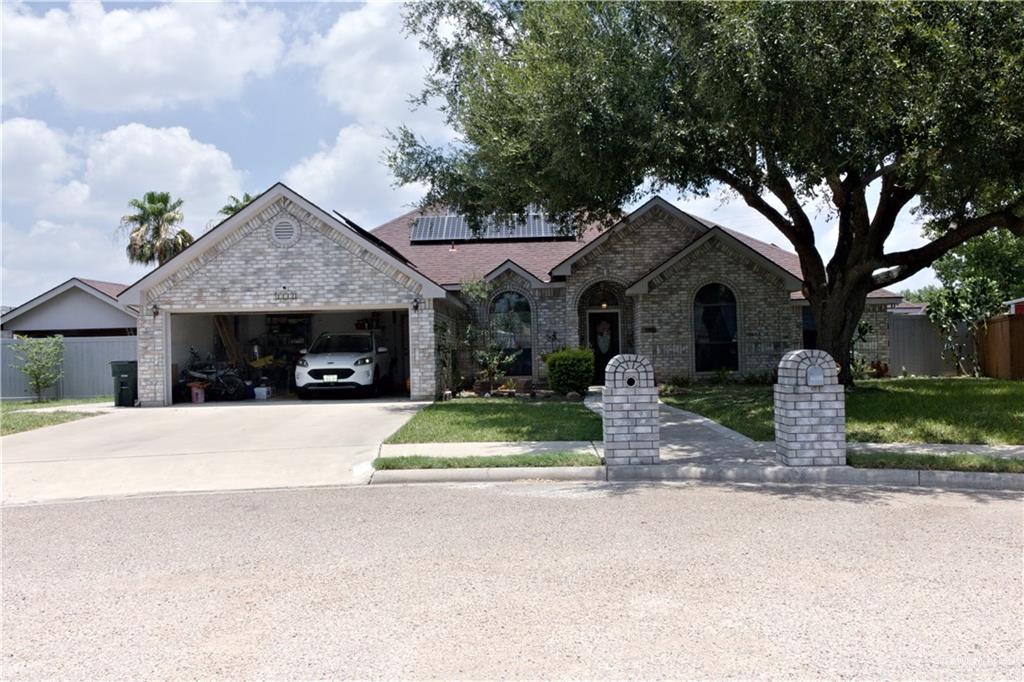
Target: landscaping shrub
41 361
571 370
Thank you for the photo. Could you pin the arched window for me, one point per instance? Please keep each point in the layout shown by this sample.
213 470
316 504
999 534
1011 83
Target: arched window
512 323
714 329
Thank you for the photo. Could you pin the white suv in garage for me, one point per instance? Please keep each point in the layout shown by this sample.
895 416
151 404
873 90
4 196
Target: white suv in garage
342 360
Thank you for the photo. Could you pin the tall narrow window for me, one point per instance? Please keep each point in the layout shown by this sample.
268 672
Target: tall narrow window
513 325
714 329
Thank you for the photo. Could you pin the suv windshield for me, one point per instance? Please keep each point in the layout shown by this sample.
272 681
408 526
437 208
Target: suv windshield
342 343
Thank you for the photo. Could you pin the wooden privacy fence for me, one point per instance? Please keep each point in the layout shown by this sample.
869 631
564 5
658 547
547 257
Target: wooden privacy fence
1002 347
86 367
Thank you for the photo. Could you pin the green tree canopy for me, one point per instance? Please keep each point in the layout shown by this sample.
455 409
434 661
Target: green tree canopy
997 255
795 107
154 235
235 204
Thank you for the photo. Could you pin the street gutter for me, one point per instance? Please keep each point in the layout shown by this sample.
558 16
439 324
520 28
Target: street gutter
842 475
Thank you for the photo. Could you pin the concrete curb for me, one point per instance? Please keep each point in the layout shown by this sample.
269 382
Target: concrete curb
844 475
841 475
492 474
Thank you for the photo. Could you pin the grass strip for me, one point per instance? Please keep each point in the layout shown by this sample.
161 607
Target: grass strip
957 462
16 421
549 459
475 420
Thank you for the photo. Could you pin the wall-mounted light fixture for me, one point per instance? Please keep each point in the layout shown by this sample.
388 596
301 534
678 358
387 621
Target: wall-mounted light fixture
155 309
416 303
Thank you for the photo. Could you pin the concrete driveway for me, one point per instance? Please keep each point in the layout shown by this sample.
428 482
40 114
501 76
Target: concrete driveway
200 447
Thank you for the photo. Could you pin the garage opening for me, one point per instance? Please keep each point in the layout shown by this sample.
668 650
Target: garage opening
254 356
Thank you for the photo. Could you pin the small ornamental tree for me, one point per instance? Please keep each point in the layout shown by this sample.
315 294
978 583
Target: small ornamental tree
482 338
858 112
41 361
971 302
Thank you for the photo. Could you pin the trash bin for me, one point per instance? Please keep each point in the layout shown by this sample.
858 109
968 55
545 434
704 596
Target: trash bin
126 382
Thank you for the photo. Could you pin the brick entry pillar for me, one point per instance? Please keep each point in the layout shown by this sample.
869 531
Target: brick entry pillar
810 410
631 431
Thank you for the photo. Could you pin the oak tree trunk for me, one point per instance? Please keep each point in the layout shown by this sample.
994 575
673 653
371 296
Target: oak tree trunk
837 314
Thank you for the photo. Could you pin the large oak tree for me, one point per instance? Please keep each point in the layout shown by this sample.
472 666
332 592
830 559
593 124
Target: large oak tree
865 109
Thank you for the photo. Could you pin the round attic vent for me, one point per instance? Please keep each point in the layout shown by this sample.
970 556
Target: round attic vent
285 232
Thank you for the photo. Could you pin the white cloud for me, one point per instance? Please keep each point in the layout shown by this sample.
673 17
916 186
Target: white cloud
71 228
132 159
367 67
35 160
133 59
350 176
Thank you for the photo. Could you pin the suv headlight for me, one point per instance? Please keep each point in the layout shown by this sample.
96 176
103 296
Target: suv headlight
363 361
302 362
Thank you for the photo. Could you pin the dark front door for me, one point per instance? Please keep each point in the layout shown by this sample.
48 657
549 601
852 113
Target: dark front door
603 332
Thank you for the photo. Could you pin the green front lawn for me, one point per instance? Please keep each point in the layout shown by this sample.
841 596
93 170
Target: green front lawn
950 410
475 420
549 459
962 462
14 418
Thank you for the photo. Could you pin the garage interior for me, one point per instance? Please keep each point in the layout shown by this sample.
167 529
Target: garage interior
264 347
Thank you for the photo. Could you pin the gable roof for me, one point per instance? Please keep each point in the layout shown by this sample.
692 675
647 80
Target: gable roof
260 203
103 291
564 268
449 264
793 282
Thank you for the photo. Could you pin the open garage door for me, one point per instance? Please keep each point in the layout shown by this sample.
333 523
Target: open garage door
215 351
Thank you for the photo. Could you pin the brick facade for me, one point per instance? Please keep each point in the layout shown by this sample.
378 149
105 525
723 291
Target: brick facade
248 271
768 324
659 324
326 268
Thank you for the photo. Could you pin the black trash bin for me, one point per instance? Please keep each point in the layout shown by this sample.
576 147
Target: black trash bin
126 382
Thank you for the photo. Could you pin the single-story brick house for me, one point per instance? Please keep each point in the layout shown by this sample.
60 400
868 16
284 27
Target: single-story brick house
693 296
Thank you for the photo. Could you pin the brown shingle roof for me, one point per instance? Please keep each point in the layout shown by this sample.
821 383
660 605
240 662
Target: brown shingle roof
472 260
111 289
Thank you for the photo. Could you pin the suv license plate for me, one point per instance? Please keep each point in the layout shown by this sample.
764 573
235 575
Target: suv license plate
331 377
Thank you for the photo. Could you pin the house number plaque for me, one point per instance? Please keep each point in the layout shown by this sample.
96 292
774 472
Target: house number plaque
285 295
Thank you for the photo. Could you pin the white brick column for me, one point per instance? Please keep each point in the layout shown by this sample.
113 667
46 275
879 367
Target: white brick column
631 431
810 410
422 353
152 356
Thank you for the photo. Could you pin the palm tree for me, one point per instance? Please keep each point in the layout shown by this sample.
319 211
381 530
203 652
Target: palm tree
236 204
153 232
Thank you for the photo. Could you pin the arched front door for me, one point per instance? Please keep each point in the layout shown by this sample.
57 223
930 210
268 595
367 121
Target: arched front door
601 308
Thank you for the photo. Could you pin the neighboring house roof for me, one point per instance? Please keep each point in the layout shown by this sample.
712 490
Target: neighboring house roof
907 308
103 291
111 289
260 203
450 264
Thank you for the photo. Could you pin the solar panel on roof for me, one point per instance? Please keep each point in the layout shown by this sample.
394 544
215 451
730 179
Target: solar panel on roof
455 228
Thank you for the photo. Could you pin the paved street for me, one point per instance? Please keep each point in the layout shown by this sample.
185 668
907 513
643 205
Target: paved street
517 580
215 446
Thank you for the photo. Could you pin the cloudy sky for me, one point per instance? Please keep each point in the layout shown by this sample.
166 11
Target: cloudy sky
102 102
